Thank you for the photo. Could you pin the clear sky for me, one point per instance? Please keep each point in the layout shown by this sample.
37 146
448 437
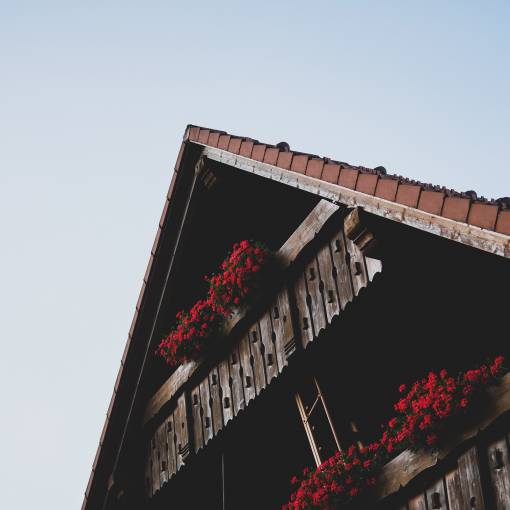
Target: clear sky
94 99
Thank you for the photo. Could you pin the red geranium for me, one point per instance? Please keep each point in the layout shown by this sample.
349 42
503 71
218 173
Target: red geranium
242 272
240 275
422 414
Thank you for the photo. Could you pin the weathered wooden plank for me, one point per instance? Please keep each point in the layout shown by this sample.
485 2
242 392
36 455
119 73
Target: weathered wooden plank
266 337
181 431
418 503
306 232
162 454
305 320
170 446
499 468
470 483
257 356
237 387
225 391
313 284
343 272
454 490
285 343
196 411
206 410
374 266
247 370
214 388
436 496
327 275
169 388
357 266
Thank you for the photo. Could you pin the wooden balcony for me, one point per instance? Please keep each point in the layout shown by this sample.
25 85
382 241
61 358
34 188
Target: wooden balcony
323 270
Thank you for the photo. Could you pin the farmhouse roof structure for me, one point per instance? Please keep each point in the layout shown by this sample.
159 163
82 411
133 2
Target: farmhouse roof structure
463 217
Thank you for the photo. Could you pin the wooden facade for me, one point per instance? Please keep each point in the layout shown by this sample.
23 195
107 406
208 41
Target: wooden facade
363 286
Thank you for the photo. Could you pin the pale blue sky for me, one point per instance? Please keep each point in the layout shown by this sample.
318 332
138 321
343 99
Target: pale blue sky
94 98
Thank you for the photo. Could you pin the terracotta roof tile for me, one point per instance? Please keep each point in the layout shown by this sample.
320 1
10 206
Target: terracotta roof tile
258 152
234 145
314 167
331 172
284 159
408 194
483 215
348 177
431 201
503 223
387 189
271 155
456 208
366 183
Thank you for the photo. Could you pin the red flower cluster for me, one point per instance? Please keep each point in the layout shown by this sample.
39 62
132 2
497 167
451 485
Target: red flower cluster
337 481
422 414
187 340
429 403
241 274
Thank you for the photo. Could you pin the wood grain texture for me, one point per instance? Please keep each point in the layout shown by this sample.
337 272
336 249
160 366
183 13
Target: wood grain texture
247 370
266 337
196 411
304 317
436 496
499 468
342 269
238 400
470 483
207 425
257 356
170 446
216 407
454 490
226 391
316 302
328 277
306 232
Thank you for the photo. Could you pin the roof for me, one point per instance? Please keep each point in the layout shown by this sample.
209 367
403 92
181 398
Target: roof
464 207
481 216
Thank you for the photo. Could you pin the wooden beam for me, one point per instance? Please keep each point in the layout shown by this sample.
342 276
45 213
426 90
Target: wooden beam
486 240
287 254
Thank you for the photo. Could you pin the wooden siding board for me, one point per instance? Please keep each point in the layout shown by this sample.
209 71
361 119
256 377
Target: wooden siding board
196 411
454 490
238 400
171 453
256 348
266 337
317 311
327 276
226 391
304 317
499 468
436 496
283 328
470 479
214 387
247 370
344 282
207 425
